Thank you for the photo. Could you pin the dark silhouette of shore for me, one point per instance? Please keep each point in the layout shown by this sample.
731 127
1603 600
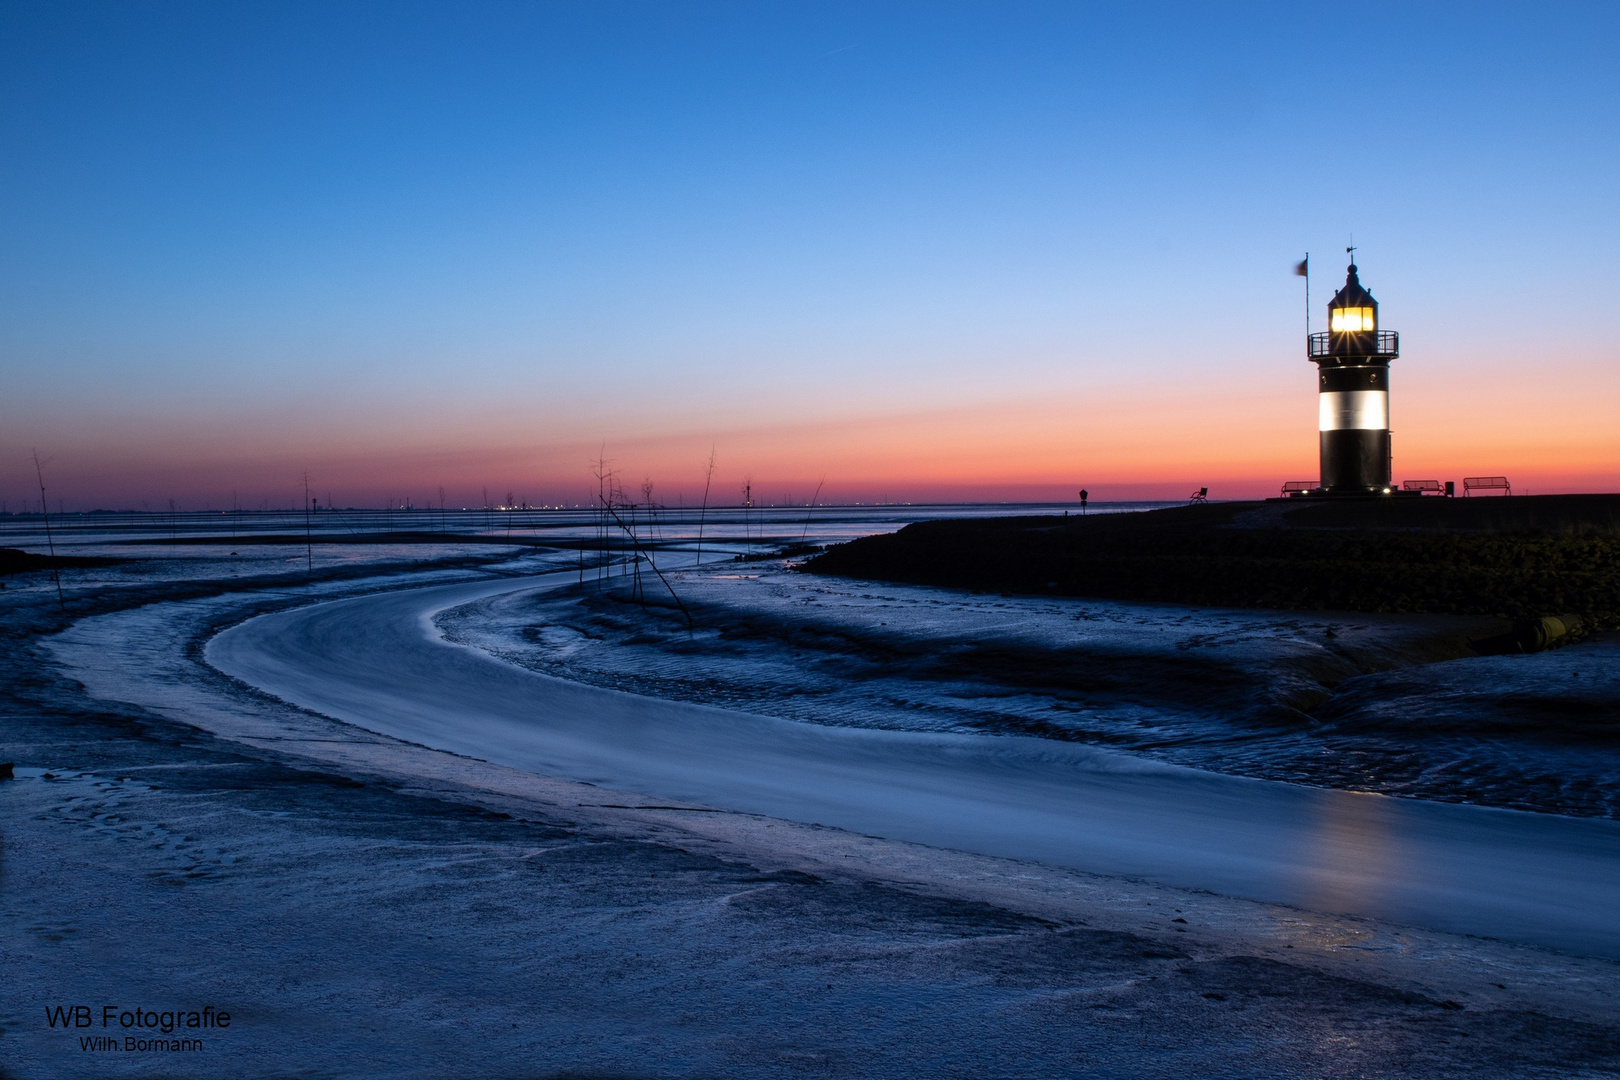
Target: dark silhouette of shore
1522 557
17 561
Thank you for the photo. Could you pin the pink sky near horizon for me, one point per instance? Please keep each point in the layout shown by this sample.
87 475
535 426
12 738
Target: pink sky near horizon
1126 442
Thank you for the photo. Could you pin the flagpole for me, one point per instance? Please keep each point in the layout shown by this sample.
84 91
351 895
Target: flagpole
1307 296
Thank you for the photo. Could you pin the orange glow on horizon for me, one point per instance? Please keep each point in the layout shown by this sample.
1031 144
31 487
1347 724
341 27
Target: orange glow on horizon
1242 441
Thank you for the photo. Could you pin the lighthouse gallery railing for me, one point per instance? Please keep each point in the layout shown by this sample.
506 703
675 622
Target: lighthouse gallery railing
1384 343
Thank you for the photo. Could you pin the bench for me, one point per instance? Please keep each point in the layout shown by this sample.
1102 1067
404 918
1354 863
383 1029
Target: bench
1422 485
1292 486
1486 483
1201 495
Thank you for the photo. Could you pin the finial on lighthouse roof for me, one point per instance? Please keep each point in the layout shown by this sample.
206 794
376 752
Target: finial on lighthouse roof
1354 294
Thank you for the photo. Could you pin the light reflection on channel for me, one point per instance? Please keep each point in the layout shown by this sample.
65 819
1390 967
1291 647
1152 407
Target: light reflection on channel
1354 852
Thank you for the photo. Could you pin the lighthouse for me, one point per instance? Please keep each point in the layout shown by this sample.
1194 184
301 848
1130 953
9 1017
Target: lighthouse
1352 358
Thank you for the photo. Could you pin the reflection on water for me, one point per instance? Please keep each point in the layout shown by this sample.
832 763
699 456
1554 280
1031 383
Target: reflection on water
1352 853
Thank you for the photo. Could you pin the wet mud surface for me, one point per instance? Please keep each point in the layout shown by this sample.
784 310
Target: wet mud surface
359 925
1393 704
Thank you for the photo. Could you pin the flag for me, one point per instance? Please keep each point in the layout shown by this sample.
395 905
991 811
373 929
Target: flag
1304 267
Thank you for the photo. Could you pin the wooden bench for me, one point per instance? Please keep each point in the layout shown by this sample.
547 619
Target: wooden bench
1486 483
1298 485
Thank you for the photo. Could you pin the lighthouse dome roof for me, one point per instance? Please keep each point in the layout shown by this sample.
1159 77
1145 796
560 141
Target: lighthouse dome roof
1353 294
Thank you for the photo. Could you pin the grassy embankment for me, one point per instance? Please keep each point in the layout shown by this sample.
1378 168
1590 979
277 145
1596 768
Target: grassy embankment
1521 557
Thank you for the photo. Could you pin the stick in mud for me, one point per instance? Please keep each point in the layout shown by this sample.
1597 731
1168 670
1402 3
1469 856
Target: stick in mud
812 510
309 541
50 544
708 477
637 545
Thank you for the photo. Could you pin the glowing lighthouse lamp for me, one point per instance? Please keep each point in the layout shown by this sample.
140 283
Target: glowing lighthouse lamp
1352 360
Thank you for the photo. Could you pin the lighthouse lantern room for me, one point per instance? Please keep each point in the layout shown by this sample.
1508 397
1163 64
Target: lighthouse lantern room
1352 359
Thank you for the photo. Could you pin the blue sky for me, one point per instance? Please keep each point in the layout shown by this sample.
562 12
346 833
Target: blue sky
283 227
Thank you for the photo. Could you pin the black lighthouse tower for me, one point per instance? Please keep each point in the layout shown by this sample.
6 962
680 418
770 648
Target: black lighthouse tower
1352 360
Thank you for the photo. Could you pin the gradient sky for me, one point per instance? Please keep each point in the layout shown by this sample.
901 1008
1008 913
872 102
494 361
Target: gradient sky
920 250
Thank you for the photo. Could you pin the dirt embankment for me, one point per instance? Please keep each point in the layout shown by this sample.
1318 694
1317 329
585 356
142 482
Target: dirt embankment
17 561
1523 558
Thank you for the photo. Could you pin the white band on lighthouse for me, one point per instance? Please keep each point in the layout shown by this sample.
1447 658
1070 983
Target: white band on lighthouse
1353 410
